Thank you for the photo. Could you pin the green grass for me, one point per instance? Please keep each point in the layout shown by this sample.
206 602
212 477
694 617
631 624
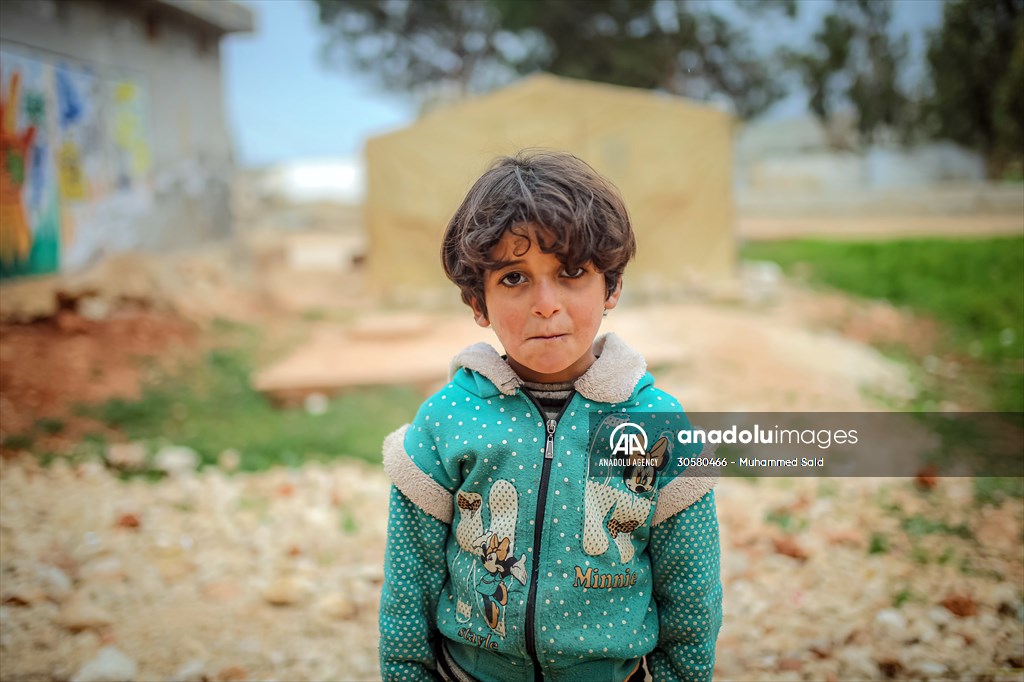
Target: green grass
917 526
879 544
903 596
974 287
210 406
785 520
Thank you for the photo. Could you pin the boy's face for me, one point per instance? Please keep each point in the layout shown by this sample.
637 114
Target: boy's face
545 317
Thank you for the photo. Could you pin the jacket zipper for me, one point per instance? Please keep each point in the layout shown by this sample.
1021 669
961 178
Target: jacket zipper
538 526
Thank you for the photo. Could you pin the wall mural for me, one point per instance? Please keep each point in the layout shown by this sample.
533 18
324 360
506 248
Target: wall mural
74 152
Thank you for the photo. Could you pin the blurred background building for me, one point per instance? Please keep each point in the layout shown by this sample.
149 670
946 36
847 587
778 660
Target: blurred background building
114 134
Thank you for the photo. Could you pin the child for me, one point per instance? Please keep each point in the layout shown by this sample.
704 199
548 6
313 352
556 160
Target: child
506 559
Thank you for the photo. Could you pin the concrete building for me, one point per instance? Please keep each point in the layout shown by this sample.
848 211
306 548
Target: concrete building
670 157
114 133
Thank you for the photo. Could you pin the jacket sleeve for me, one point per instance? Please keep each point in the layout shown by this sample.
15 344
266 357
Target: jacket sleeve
414 575
685 554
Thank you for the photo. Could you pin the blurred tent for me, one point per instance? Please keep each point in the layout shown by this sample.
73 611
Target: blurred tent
670 157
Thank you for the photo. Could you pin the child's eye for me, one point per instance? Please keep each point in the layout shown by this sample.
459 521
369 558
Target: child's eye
512 279
576 274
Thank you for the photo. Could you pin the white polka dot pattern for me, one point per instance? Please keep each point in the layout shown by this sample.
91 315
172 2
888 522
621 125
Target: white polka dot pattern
414 573
471 524
599 500
504 504
688 591
598 607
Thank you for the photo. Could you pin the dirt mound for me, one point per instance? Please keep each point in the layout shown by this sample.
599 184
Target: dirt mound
48 367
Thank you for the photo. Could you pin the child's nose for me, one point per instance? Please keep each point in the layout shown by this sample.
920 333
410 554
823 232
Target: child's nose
546 302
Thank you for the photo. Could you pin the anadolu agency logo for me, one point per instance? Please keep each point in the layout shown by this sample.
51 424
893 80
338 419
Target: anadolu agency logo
631 457
628 440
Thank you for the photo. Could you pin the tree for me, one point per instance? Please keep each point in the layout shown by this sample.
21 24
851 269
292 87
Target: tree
676 46
875 92
407 43
854 63
976 61
819 69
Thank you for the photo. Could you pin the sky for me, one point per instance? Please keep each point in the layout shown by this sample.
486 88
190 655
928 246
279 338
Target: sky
283 104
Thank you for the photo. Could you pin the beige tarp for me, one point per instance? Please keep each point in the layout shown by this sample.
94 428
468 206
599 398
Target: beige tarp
670 157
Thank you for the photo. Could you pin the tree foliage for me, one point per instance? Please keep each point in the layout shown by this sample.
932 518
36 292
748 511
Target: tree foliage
854 63
677 46
976 62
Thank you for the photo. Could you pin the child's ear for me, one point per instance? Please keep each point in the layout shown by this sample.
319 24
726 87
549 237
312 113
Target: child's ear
478 314
613 298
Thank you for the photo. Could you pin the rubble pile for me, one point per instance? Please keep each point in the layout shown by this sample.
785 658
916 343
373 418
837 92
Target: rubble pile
199 576
214 576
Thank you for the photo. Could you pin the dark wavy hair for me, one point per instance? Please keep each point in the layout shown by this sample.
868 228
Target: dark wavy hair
580 217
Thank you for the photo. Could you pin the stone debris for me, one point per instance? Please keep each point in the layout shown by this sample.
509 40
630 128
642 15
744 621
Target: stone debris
176 460
232 673
192 670
109 665
277 575
960 605
229 460
286 591
82 614
282 560
127 456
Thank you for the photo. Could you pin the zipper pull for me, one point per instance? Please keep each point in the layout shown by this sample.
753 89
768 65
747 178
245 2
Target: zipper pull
549 449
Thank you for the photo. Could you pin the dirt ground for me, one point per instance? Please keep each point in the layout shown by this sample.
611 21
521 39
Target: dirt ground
210 575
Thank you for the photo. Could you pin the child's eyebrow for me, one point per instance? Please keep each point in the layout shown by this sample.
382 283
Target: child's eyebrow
504 264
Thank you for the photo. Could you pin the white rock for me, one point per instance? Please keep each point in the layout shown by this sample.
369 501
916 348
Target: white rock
930 668
81 614
129 456
923 630
858 662
316 403
176 460
229 459
940 616
760 281
988 621
286 591
952 643
94 308
192 670
250 645
103 568
319 517
55 582
1006 594
109 665
891 620
337 606
92 470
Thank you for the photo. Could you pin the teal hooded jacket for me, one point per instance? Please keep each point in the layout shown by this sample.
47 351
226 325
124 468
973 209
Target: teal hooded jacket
503 542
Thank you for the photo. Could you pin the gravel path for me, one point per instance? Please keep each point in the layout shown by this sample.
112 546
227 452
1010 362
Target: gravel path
207 576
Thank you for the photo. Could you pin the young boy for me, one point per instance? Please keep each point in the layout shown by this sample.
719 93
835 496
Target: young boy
507 558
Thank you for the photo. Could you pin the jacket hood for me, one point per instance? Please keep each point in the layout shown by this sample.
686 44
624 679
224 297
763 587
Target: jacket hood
617 374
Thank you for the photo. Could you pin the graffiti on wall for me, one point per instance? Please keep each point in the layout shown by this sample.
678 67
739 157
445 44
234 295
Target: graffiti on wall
73 146
29 220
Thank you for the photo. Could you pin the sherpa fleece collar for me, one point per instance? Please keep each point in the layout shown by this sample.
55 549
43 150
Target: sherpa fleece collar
611 379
